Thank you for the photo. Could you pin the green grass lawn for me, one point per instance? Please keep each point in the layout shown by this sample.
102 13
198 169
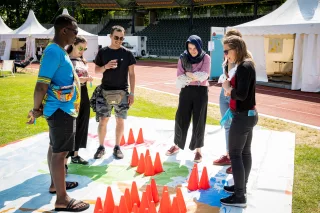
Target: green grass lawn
16 98
306 188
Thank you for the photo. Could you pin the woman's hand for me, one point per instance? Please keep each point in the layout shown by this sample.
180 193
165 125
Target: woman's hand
190 75
89 78
227 88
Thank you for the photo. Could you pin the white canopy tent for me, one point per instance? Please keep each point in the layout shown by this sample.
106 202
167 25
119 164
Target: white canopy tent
4 29
92 40
32 29
28 30
298 20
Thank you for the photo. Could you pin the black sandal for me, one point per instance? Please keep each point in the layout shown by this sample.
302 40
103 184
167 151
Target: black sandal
73 208
69 185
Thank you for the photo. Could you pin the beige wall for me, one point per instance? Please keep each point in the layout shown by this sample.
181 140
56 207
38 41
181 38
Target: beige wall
16 44
286 55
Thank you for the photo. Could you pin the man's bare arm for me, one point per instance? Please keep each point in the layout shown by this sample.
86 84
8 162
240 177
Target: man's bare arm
98 69
39 93
132 78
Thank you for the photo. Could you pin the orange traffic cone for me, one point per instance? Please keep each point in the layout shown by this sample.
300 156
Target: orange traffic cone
116 209
152 207
122 142
135 158
128 199
134 194
154 191
141 166
144 202
108 201
147 153
157 164
149 193
140 137
181 202
135 209
131 137
204 180
165 204
123 208
149 171
175 205
165 188
193 179
98 207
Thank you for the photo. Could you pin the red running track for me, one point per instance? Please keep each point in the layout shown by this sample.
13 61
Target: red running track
286 104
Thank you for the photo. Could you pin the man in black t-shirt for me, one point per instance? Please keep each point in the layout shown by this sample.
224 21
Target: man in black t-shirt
116 63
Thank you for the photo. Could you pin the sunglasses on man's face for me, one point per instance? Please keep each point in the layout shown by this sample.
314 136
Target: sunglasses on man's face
226 52
82 49
73 30
118 38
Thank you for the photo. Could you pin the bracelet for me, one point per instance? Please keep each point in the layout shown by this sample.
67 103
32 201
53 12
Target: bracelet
132 94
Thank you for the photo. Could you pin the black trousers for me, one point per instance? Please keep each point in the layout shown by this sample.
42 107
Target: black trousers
82 121
240 137
193 102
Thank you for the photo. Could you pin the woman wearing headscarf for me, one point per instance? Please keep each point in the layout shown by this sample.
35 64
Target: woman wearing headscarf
192 77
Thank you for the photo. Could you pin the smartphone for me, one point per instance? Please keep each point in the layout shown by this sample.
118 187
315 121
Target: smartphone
252 113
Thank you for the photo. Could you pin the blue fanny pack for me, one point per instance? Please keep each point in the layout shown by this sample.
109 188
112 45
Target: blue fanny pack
226 118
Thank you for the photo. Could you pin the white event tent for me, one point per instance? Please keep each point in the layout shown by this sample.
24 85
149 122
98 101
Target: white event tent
32 30
4 29
296 25
27 30
92 40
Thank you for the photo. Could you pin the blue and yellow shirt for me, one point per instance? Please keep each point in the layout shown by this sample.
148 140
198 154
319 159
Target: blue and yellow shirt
63 93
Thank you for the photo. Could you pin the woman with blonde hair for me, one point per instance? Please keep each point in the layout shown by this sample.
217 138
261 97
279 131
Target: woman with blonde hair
224 100
241 88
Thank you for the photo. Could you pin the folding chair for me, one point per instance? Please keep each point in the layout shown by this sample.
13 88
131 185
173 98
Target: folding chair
22 66
7 66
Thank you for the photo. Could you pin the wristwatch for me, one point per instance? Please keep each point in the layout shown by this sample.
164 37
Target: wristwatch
132 94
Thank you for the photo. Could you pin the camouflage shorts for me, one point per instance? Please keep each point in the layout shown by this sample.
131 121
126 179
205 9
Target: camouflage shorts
103 109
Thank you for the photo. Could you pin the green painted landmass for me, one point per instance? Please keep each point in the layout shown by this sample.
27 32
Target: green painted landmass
109 173
43 171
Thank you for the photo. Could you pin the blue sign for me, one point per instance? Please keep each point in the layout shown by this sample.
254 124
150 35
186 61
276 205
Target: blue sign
217 58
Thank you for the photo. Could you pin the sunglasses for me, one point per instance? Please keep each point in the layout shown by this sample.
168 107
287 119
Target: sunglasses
82 49
118 38
226 52
73 30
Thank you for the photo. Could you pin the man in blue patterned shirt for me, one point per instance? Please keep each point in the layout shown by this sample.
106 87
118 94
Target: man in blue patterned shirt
57 97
